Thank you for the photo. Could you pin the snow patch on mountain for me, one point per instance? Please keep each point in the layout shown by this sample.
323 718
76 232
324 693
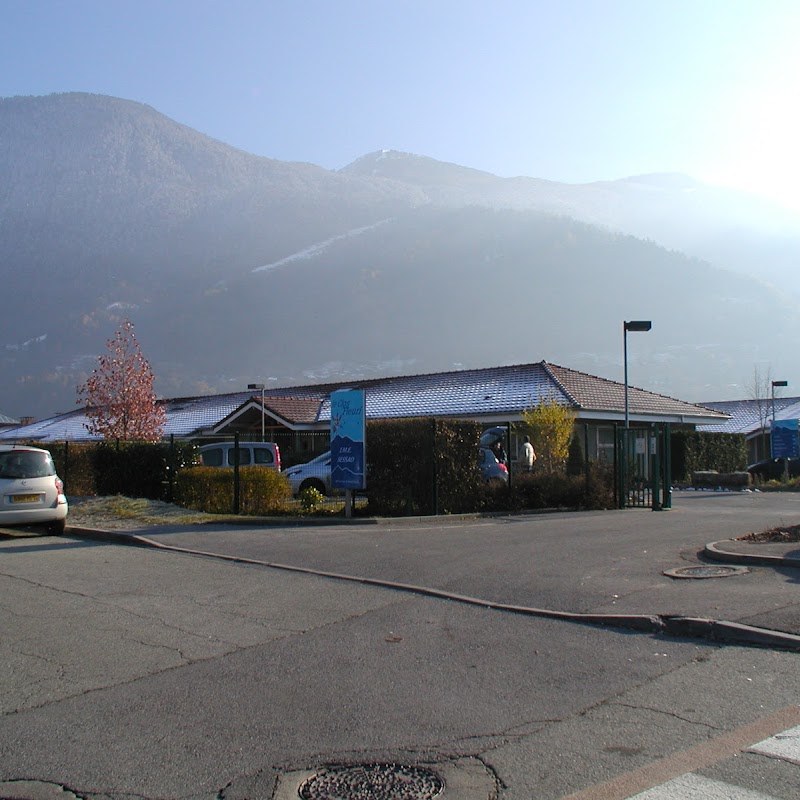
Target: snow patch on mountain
25 345
320 247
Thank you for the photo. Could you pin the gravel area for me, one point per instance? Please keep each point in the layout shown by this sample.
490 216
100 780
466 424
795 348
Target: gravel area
126 513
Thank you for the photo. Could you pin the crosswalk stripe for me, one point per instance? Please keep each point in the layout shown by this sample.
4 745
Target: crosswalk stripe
702 755
785 746
696 787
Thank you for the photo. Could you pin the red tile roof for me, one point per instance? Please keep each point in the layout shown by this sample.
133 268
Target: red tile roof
600 394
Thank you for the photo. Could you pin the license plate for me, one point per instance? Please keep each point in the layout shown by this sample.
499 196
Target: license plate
24 498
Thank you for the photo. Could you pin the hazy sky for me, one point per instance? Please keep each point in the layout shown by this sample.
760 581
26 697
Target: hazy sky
570 90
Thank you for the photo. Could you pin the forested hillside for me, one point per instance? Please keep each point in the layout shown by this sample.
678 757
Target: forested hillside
236 268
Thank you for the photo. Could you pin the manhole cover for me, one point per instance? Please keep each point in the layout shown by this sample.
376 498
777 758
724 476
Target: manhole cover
372 782
705 572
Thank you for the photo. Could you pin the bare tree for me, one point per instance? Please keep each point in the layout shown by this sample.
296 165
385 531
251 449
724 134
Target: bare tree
119 398
760 391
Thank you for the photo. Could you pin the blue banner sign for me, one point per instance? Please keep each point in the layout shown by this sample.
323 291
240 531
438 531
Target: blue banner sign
784 438
348 439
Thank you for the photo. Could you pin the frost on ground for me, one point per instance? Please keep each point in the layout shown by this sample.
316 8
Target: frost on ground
121 513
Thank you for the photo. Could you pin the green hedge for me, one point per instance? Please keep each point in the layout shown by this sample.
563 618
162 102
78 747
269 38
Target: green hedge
414 467
132 469
695 451
422 466
74 466
425 466
558 490
261 491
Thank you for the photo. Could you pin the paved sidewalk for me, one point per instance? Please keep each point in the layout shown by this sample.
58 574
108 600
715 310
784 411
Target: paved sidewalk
494 643
609 569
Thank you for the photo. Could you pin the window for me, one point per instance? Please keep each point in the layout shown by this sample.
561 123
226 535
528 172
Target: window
605 444
26 464
263 455
212 457
244 456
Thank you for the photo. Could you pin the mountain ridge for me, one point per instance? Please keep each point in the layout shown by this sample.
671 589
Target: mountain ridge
237 268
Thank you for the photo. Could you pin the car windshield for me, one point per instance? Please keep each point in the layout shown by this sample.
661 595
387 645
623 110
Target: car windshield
26 464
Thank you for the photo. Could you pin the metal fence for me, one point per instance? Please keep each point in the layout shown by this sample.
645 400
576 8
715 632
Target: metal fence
421 488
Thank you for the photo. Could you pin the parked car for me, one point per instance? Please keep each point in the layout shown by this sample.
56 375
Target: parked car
773 469
491 436
222 454
30 491
491 468
314 474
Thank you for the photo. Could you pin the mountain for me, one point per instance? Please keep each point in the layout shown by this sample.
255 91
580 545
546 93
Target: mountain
731 229
236 268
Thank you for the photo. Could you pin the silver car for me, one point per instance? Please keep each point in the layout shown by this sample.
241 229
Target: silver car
314 474
30 491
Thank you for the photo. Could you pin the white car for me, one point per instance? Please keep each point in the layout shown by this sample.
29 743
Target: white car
314 474
30 491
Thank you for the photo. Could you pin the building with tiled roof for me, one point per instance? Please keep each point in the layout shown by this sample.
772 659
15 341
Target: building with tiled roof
753 418
8 422
494 395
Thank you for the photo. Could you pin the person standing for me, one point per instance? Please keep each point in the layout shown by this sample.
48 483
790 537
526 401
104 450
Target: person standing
528 455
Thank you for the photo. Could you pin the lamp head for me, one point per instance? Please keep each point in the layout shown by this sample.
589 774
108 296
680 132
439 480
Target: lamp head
780 383
255 385
638 325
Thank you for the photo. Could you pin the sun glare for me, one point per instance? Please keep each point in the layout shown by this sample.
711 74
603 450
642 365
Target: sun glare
759 133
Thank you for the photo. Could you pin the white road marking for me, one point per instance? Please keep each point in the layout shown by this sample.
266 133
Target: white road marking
676 777
696 787
785 746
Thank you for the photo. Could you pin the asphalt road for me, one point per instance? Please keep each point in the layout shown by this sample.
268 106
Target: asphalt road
131 672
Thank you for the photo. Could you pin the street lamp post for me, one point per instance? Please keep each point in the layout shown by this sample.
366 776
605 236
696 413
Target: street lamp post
774 384
636 325
259 386
772 427
633 325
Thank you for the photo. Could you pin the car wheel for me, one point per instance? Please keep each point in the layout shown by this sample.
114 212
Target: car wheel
313 483
57 528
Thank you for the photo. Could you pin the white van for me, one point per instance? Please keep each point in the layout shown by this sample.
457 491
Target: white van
260 454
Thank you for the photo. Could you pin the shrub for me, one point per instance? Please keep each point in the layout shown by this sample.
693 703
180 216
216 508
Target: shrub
696 451
556 490
211 489
575 462
74 466
310 498
423 466
550 427
130 469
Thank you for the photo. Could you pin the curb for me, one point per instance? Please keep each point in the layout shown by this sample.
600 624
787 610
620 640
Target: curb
686 627
724 631
716 552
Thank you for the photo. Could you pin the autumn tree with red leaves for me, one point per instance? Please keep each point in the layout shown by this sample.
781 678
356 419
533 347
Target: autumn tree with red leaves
118 395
